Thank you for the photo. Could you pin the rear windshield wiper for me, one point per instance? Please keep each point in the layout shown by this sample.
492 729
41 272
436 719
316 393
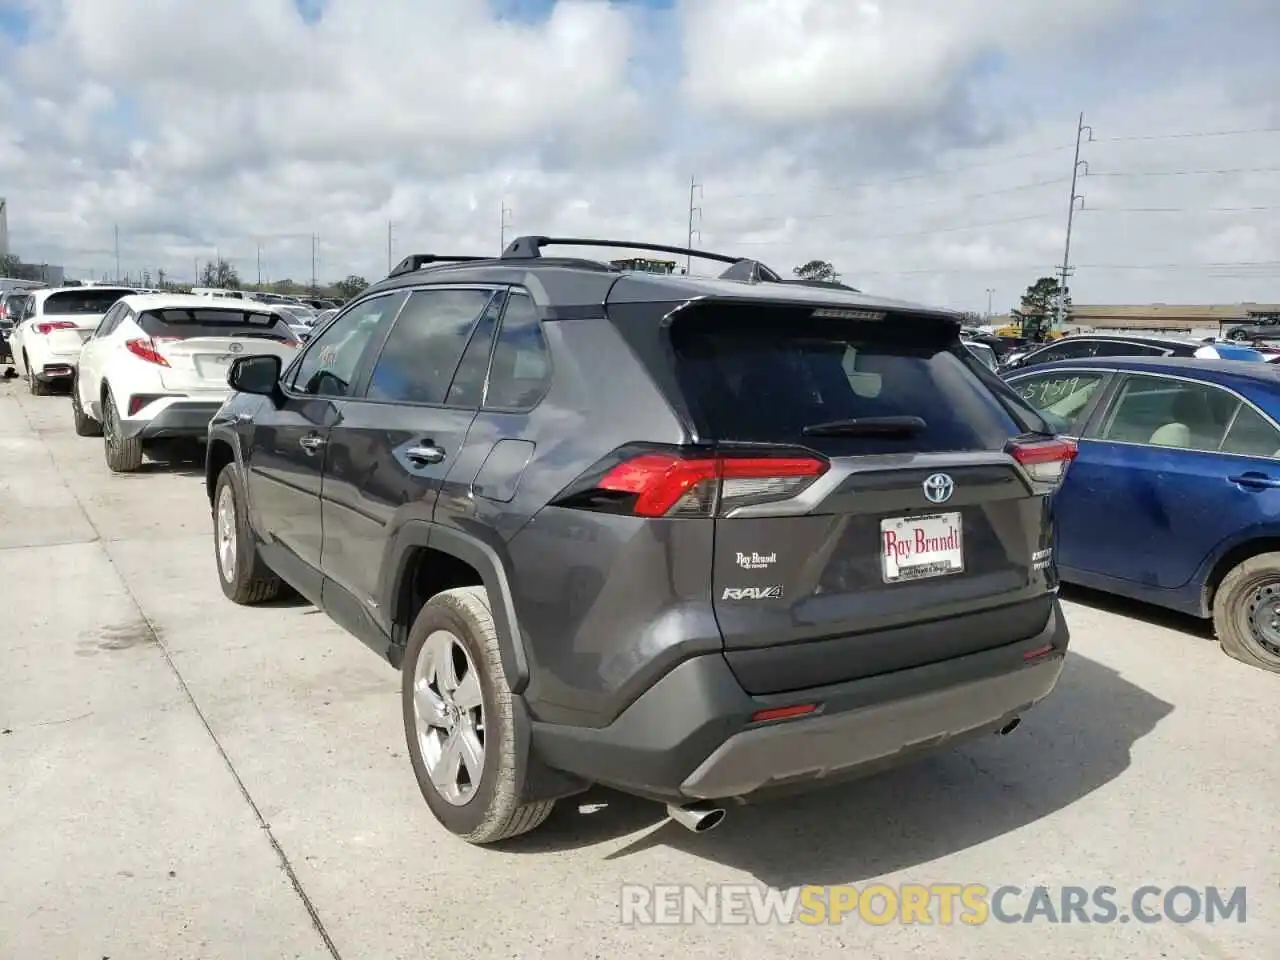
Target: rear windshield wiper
867 427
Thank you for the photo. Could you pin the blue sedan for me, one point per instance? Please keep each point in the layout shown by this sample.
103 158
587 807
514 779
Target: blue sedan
1174 495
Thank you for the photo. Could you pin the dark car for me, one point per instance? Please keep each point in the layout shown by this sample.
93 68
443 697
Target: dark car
12 305
1083 346
693 539
1174 498
1262 326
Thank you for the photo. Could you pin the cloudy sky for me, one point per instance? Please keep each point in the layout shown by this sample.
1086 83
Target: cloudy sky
922 146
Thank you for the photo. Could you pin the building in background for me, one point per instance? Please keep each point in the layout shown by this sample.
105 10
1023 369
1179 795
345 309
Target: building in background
1194 320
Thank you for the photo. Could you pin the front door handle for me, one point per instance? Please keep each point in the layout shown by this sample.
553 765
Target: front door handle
1259 480
311 443
424 455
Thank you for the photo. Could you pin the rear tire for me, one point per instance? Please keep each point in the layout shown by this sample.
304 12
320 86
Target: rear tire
35 386
85 425
124 454
487 808
245 577
1246 612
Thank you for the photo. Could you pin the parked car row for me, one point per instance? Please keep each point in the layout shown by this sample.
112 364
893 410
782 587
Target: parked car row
1174 495
141 368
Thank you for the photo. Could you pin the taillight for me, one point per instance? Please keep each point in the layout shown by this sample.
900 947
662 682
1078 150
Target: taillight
678 484
49 326
1045 461
144 348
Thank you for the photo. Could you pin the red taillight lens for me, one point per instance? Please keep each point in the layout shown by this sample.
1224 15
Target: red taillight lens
145 349
783 713
1046 461
51 325
669 484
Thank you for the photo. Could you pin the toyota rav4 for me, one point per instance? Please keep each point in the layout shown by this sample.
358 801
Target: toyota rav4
699 540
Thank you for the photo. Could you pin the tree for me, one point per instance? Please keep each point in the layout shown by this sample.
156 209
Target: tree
219 273
352 286
9 265
817 270
1039 306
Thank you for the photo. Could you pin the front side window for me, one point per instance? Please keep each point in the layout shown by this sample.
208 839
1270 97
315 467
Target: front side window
1061 398
328 367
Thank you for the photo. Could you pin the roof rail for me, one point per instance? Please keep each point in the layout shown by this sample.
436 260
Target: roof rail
530 248
417 261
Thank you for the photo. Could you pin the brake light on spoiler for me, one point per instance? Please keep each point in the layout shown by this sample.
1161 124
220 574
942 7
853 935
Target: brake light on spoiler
673 483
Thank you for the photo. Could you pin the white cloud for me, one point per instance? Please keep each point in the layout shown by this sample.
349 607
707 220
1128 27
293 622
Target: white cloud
921 146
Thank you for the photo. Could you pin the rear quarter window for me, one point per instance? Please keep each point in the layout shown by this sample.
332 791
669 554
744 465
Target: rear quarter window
762 375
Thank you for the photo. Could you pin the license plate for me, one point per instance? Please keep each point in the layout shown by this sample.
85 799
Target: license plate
915 548
213 367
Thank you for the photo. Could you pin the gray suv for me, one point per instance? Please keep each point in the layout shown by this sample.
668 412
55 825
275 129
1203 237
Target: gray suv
698 540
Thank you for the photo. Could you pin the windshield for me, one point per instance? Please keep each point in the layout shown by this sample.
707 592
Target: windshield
82 302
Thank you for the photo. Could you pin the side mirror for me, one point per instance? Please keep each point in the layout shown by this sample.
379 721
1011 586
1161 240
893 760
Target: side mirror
259 375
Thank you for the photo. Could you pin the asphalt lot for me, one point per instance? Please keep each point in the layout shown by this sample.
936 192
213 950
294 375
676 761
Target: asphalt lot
182 778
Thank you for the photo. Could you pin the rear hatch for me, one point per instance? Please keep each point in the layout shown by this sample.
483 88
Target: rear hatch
880 508
194 348
68 318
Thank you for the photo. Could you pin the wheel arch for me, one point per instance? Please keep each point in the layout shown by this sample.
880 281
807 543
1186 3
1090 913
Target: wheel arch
462 558
1231 558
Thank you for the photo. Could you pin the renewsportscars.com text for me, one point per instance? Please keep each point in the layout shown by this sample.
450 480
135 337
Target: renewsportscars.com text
970 904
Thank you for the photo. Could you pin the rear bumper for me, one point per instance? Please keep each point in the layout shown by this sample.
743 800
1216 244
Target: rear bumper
690 736
177 419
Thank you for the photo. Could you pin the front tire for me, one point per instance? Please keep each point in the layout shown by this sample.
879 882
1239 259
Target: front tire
85 425
245 577
1246 612
459 722
123 454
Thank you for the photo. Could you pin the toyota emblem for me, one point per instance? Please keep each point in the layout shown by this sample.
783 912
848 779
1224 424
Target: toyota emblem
235 347
938 488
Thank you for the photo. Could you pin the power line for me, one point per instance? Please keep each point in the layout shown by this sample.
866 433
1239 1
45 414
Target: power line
911 233
934 174
1092 210
1182 173
1193 135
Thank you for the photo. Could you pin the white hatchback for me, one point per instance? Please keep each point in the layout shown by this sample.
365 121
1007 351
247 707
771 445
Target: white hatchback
46 340
156 368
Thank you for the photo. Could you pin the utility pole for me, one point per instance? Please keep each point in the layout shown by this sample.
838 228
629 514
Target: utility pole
503 212
117 253
389 263
990 293
313 264
1076 164
695 191
195 267
259 263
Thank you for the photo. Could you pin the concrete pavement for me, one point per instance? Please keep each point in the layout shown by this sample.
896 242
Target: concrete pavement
181 777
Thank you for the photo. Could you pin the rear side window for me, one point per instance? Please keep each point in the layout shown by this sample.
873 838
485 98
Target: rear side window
83 302
762 376
214 322
421 354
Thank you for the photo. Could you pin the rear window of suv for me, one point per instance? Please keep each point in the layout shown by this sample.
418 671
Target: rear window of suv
81 302
762 375
215 322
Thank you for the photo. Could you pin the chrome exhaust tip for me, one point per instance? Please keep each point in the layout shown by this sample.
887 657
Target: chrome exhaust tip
1011 726
697 817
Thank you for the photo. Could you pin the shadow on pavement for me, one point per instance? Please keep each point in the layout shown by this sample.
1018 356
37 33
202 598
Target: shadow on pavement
1075 742
1137 610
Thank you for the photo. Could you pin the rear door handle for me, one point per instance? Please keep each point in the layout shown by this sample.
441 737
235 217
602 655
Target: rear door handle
424 455
1260 480
311 444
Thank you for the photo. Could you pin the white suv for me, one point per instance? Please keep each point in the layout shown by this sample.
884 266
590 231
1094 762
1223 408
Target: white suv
46 340
156 368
